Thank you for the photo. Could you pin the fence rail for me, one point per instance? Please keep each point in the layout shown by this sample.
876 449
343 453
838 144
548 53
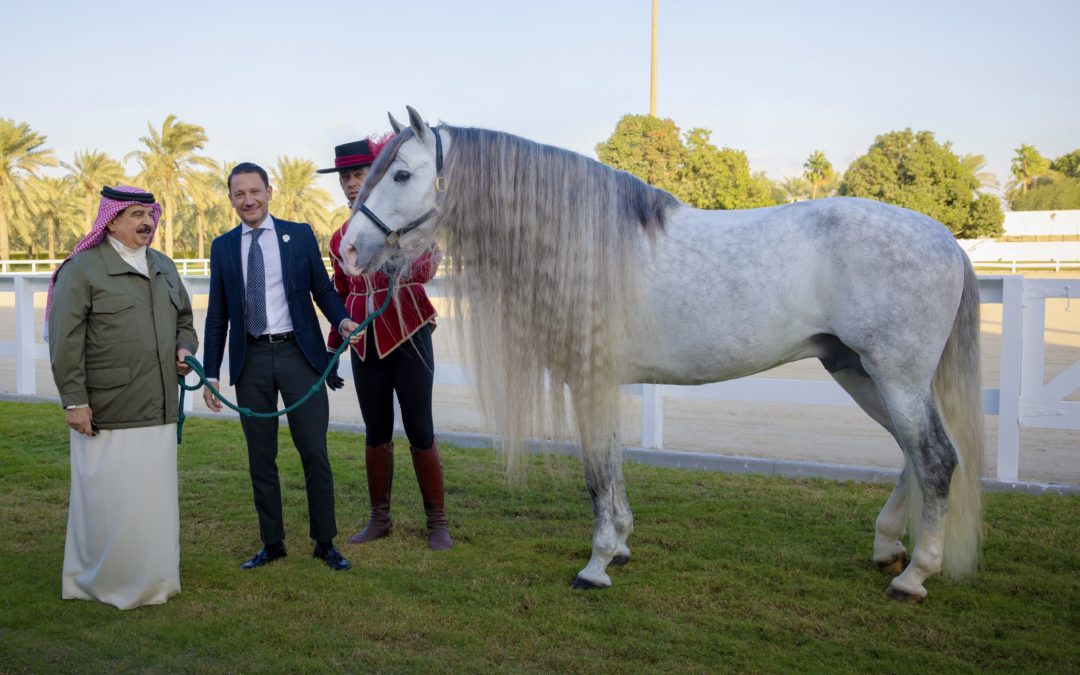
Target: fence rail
1015 266
186 266
201 266
1021 399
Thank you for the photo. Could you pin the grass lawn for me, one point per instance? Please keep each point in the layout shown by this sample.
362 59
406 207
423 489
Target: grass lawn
729 573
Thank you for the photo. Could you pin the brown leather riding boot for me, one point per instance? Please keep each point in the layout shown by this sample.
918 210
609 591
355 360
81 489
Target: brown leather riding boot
429 475
380 475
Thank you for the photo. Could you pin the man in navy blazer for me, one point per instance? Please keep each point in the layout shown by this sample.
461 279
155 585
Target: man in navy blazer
264 275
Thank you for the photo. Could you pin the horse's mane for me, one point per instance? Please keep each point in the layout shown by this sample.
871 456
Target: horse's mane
545 246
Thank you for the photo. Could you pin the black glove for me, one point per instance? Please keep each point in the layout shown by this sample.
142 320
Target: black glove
333 380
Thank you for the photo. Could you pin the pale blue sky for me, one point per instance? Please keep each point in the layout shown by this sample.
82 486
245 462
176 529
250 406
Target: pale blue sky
775 79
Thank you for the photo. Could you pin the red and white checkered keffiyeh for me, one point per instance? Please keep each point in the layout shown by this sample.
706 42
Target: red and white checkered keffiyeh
108 209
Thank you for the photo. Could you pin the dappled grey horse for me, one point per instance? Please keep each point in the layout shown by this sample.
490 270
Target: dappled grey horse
568 272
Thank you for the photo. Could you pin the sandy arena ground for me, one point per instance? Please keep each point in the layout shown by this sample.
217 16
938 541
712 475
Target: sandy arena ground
809 433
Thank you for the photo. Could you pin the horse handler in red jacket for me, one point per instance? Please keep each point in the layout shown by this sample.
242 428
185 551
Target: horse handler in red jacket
395 355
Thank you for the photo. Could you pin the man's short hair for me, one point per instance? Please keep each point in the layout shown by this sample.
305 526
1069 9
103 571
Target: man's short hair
249 167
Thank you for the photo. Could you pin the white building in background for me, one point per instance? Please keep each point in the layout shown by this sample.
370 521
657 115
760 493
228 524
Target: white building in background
1042 223
1030 253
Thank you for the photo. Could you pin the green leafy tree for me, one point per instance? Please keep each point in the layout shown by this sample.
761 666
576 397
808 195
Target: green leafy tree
22 154
691 168
986 220
913 170
1051 192
1026 166
820 174
646 146
718 178
298 197
1068 164
91 171
56 208
169 163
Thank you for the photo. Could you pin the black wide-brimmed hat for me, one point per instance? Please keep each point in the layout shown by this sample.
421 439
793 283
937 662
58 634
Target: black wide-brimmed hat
355 155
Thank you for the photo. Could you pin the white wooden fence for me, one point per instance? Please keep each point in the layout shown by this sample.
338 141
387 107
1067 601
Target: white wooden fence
201 266
1021 398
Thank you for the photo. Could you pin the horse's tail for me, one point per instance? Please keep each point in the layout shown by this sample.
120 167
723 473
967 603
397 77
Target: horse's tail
957 390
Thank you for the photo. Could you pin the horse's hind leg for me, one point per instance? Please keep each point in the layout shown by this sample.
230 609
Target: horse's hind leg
905 407
890 555
612 520
932 459
602 454
622 516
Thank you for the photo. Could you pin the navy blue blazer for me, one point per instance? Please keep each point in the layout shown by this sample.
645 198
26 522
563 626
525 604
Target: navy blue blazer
307 280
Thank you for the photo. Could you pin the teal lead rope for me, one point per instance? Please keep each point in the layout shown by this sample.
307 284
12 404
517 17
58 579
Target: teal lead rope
197 368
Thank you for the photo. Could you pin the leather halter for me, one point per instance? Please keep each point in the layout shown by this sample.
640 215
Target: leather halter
393 237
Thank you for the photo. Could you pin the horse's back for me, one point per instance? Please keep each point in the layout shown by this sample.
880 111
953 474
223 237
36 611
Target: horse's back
737 292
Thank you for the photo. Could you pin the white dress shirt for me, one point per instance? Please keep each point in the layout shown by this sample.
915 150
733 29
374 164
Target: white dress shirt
278 319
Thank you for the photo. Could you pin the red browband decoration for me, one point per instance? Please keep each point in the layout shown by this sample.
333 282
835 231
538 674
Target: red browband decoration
349 160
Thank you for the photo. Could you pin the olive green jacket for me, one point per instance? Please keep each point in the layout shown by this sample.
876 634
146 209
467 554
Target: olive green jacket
113 336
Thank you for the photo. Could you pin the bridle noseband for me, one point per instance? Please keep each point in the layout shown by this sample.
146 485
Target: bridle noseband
393 237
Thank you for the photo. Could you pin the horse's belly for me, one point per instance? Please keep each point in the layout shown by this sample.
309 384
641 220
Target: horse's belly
708 347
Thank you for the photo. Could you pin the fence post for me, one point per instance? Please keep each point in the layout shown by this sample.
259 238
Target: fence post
1012 353
1033 338
25 365
652 416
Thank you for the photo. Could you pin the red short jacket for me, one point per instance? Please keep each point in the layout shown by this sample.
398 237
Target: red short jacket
407 313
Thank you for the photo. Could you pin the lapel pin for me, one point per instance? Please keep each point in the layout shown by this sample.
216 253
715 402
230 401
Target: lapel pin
285 239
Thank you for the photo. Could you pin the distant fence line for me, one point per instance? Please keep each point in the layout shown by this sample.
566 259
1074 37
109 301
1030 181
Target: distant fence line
1022 398
201 266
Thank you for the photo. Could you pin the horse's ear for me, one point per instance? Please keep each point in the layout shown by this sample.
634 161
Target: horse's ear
394 124
416 122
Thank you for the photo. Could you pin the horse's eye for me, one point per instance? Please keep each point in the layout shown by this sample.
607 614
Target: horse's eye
402 176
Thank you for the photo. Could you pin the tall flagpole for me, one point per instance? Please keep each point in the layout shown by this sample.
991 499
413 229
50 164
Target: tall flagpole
652 85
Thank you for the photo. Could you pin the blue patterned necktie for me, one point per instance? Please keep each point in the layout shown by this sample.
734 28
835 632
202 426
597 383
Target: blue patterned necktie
256 287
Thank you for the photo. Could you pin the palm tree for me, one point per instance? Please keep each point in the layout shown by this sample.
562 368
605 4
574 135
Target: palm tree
209 204
975 164
168 164
55 206
22 153
794 188
297 196
1026 167
91 171
819 171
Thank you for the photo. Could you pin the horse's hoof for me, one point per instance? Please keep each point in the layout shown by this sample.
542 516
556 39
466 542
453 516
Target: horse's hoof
581 584
895 566
620 560
902 596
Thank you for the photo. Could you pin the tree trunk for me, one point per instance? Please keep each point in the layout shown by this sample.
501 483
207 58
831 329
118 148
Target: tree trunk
5 251
90 215
168 223
51 227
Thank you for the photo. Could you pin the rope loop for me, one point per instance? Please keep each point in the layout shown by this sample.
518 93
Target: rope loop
197 368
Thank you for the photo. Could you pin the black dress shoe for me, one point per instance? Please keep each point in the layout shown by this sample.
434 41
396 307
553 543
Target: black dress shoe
263 558
332 558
